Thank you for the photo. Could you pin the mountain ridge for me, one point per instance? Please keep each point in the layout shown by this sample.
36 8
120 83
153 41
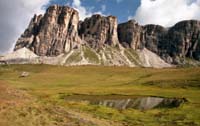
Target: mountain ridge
100 40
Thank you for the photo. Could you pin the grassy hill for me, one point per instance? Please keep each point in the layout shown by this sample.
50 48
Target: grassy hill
39 98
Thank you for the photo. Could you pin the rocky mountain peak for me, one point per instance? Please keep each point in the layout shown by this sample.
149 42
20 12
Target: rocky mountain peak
59 31
52 34
99 30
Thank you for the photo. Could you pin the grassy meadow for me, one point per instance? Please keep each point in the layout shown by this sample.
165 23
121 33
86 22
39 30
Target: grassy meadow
38 100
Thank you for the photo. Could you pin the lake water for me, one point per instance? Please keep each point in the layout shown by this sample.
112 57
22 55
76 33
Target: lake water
125 102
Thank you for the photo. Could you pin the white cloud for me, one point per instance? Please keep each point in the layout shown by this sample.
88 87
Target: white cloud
103 8
130 17
167 12
83 11
119 1
15 16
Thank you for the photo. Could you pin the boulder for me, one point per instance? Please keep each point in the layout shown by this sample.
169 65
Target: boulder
24 74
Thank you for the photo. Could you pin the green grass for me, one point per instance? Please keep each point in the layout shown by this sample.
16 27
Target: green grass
188 62
74 57
90 55
48 83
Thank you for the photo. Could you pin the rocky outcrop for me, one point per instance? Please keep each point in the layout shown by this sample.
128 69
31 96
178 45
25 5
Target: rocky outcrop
135 36
99 30
131 35
176 43
101 40
57 32
52 34
155 37
184 40
172 44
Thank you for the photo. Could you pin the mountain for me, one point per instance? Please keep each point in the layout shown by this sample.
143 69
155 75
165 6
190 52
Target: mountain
59 37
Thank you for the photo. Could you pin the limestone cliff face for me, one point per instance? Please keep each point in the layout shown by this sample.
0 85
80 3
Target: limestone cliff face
173 44
99 30
153 35
52 34
184 39
59 31
176 43
131 35
154 39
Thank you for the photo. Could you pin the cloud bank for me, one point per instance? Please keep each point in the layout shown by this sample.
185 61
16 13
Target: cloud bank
167 12
15 16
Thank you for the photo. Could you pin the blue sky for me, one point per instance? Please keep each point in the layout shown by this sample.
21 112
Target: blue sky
120 8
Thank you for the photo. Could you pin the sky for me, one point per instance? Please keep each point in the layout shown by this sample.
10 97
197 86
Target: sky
16 14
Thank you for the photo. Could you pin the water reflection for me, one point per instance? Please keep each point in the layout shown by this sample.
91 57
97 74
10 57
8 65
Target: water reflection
125 102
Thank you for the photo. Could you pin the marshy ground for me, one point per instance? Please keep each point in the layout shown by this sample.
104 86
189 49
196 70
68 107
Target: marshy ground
40 98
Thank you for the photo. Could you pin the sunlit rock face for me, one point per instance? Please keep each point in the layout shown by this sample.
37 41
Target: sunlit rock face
57 32
99 30
60 32
52 34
